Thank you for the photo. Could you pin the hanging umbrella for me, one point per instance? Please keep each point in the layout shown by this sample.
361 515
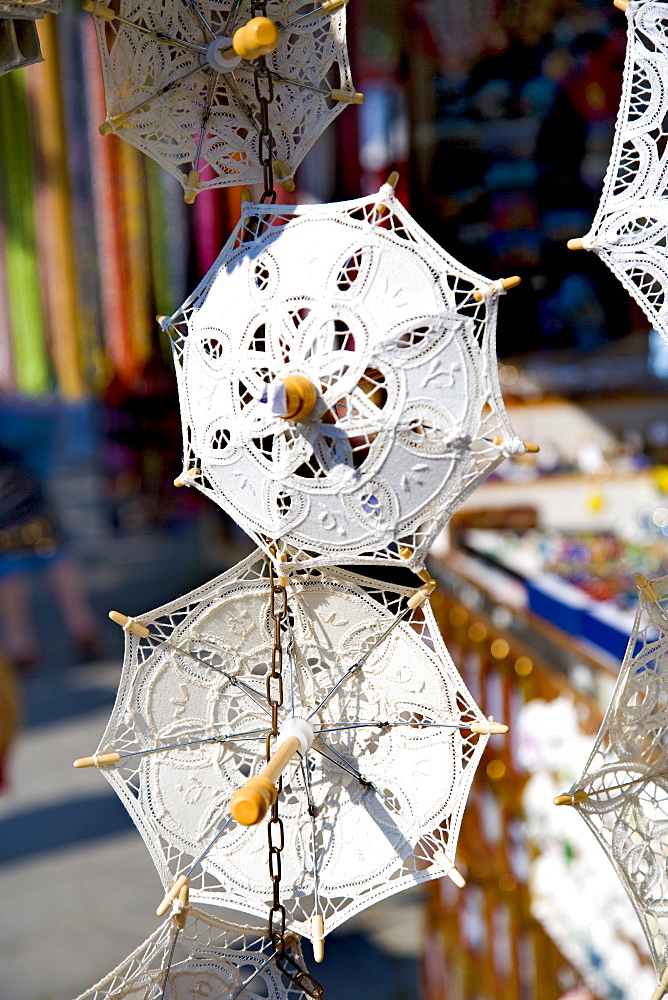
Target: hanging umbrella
213 92
29 10
631 223
623 792
338 382
19 43
193 954
382 738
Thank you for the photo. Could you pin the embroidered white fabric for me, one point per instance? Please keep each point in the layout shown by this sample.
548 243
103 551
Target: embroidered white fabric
626 775
189 116
387 777
210 958
630 227
385 325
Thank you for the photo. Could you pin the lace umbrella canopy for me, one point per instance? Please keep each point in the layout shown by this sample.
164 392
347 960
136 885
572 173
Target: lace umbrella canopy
338 382
177 89
630 228
371 803
199 956
623 792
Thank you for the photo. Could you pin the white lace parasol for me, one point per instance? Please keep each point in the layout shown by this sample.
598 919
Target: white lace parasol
630 227
177 89
338 383
372 806
623 792
205 957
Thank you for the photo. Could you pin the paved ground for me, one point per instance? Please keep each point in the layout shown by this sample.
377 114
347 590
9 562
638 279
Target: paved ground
77 885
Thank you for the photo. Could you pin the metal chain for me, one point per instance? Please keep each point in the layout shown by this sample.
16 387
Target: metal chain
278 609
264 91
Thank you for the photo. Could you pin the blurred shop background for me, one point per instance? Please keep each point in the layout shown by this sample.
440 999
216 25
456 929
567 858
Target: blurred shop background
499 116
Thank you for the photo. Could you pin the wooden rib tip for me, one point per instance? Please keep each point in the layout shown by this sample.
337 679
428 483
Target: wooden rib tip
171 895
531 448
488 728
571 800
645 587
511 282
318 937
441 858
576 244
98 760
393 179
621 5
416 599
128 625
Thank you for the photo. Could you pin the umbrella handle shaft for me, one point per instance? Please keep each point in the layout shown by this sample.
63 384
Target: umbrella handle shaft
249 803
258 37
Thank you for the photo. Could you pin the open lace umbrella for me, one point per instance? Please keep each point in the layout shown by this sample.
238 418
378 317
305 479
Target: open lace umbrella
630 227
623 792
195 955
382 741
338 382
212 92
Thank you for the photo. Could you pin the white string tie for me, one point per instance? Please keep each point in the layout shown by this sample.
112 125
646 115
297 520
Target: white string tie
128 624
514 446
96 760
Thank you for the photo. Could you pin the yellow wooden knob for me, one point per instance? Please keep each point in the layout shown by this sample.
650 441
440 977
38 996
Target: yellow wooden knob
300 397
257 38
249 804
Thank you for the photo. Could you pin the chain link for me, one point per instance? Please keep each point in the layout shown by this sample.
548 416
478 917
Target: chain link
278 609
264 91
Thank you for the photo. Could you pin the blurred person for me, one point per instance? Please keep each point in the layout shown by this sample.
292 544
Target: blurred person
30 544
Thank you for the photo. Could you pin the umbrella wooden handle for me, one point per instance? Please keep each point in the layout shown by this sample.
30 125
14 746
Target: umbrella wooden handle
249 803
257 38
300 397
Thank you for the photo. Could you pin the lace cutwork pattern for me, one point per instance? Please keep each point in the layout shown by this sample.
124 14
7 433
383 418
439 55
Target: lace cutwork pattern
630 228
387 790
211 959
186 116
626 777
385 325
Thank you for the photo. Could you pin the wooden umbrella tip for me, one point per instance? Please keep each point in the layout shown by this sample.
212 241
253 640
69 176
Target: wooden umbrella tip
576 244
